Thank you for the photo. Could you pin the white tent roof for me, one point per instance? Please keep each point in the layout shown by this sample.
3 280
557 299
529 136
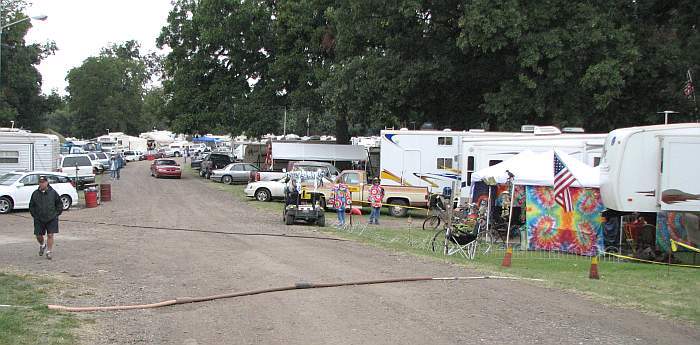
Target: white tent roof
537 169
318 152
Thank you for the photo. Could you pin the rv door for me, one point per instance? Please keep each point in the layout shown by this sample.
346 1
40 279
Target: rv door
678 188
411 167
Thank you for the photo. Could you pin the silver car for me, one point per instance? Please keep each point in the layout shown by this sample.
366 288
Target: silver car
234 172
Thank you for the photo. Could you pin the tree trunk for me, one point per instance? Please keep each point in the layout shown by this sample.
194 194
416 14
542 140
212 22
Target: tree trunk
342 135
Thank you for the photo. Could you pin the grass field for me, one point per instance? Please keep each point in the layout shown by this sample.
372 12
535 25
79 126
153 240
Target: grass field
31 322
665 291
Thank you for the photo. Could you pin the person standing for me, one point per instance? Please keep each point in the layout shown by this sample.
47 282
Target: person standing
45 206
341 198
120 164
376 195
113 167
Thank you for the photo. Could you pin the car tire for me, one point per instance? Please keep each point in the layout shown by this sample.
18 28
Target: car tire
5 205
177 154
67 202
227 179
263 194
398 211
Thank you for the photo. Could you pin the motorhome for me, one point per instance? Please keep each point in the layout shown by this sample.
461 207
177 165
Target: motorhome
652 168
431 158
22 150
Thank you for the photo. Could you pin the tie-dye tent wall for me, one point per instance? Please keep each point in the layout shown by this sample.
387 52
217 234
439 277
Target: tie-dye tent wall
549 226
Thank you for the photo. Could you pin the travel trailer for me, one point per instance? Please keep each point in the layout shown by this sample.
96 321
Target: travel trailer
483 153
431 158
652 168
22 150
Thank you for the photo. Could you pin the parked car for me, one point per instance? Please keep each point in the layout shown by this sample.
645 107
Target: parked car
132 156
16 189
165 168
266 190
324 168
234 172
196 162
77 166
212 162
100 161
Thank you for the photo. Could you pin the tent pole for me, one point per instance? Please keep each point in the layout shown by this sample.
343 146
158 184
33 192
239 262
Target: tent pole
488 211
510 212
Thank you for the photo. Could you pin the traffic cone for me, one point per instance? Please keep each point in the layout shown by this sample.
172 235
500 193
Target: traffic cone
508 257
593 274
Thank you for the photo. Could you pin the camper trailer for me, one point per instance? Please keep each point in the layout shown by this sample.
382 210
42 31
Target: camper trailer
22 150
483 153
433 158
652 168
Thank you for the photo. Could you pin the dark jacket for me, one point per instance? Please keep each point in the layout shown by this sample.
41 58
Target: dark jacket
45 206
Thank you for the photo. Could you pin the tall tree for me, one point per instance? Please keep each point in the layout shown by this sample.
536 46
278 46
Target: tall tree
106 92
20 82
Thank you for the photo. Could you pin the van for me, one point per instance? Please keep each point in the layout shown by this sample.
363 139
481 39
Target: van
78 168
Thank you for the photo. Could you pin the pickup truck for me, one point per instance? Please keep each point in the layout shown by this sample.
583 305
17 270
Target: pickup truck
357 183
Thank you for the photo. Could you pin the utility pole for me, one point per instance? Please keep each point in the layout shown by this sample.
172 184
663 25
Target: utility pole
284 131
308 118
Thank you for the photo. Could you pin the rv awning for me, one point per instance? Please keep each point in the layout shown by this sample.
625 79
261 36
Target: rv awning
537 169
318 152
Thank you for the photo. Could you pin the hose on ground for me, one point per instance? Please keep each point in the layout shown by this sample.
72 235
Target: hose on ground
297 286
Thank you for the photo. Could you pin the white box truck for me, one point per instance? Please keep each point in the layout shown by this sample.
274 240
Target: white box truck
23 150
652 168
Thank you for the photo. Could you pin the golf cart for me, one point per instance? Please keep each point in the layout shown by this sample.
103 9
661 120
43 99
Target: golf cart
304 206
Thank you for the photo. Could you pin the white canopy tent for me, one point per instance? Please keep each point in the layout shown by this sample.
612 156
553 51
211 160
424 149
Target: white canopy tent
537 169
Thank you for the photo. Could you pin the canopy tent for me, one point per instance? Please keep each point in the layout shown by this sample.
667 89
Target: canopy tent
205 140
537 169
318 152
549 225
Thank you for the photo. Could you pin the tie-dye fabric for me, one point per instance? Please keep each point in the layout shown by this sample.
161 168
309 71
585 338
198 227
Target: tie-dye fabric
681 226
549 227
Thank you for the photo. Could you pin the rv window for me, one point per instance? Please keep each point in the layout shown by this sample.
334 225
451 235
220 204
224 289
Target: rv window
596 161
470 163
444 163
469 178
445 141
9 157
494 162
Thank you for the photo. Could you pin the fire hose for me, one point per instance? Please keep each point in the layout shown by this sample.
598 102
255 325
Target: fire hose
297 286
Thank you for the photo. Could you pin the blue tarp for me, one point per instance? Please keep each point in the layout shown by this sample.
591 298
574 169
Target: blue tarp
205 140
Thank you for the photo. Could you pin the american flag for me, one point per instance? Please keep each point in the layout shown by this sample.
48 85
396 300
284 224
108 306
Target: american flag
562 180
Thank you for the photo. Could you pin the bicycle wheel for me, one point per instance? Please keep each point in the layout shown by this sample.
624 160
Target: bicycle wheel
431 223
438 243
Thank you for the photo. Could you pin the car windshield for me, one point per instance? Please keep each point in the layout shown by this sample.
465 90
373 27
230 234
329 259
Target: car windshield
101 156
8 179
166 162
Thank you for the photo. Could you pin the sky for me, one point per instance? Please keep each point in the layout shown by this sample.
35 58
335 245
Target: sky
81 28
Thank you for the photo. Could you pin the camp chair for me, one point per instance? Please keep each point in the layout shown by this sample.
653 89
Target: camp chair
459 241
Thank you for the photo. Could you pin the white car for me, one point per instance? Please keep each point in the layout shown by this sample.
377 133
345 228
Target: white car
16 189
132 156
265 190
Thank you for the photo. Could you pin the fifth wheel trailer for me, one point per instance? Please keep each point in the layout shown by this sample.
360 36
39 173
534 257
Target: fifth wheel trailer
652 168
22 150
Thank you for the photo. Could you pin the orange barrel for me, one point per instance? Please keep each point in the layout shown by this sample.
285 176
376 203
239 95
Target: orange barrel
105 192
90 199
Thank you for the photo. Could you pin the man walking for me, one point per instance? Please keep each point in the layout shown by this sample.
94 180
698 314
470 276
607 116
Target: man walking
45 206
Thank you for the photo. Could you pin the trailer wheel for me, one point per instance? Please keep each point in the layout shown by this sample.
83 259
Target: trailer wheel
399 210
5 205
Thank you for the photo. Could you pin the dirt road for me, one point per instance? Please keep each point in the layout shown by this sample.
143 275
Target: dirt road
106 265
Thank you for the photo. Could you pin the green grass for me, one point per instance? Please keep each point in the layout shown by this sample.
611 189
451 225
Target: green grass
31 322
668 292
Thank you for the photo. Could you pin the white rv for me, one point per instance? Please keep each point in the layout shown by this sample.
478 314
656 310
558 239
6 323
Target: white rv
652 168
481 153
433 158
22 150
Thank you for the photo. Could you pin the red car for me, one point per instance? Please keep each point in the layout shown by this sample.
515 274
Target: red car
165 167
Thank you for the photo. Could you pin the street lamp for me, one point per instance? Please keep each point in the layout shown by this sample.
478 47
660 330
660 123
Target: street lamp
3 27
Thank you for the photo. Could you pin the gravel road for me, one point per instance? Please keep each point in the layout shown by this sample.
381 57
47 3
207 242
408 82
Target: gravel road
107 265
